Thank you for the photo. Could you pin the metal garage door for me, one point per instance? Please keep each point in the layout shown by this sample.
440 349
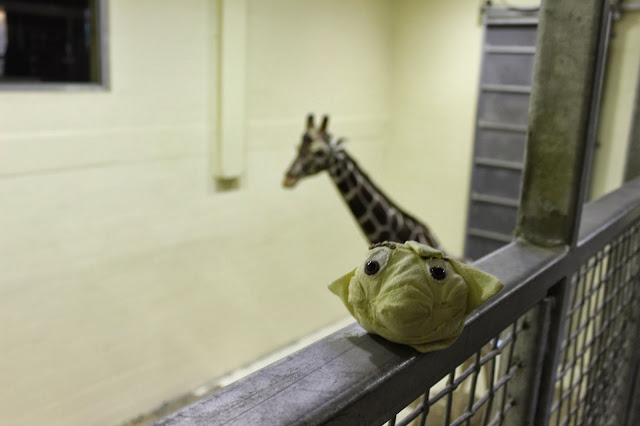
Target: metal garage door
501 128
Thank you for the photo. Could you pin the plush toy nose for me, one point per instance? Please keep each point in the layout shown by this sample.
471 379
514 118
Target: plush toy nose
405 312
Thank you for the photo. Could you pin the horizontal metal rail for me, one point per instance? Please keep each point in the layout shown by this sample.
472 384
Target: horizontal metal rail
490 235
353 378
506 127
492 199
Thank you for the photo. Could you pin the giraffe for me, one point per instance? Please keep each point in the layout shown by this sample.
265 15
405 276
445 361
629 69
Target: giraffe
379 218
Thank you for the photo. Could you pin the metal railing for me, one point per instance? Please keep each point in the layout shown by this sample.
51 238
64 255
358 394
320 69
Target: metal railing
495 372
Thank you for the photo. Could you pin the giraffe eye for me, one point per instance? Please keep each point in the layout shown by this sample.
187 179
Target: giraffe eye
318 154
438 273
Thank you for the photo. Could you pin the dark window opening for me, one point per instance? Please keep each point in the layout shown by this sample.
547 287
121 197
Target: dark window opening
50 42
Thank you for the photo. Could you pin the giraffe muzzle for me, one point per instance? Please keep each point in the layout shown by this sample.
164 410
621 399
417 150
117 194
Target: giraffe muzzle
289 181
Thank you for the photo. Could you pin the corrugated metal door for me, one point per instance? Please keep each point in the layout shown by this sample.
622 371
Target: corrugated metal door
501 129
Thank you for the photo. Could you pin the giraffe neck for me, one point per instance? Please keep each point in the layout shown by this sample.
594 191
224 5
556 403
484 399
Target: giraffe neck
379 218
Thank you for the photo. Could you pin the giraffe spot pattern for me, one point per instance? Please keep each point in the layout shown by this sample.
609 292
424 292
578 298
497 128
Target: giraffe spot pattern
343 187
378 217
369 227
384 236
367 194
353 181
395 223
357 207
380 213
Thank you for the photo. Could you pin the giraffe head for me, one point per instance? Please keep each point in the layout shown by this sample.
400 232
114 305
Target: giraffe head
314 153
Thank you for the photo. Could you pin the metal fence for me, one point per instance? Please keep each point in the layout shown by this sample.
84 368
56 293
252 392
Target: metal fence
601 325
503 369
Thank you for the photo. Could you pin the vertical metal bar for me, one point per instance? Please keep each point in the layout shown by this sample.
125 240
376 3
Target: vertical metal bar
596 100
623 378
586 352
632 167
510 363
632 410
425 409
450 387
524 387
565 349
491 384
574 337
611 372
562 106
563 83
576 374
547 376
594 380
474 382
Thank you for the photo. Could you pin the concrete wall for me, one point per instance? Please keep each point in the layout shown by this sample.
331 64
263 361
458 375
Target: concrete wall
128 278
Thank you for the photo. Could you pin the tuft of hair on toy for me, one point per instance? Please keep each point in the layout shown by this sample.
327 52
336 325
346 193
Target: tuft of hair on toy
387 244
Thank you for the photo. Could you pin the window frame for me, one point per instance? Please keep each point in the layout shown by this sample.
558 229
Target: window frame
102 84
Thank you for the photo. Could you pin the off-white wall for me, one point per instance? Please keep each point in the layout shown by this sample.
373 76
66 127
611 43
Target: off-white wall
126 278
436 59
617 104
317 57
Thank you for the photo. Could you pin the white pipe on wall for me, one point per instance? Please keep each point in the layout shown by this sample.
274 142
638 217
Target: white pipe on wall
231 140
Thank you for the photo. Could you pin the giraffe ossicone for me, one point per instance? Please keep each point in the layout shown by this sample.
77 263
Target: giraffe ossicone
377 215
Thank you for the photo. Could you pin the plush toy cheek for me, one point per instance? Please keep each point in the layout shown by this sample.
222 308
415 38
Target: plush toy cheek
454 293
357 295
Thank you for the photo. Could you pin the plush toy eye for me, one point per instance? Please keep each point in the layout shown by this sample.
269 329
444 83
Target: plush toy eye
438 273
376 261
371 267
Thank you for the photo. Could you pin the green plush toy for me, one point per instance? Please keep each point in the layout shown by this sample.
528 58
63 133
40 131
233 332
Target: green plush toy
411 294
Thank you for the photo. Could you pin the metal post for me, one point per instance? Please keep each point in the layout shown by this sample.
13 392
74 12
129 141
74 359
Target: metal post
564 101
562 90
632 168
524 388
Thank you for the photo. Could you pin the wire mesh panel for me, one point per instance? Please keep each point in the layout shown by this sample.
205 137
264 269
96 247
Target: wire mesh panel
475 393
599 344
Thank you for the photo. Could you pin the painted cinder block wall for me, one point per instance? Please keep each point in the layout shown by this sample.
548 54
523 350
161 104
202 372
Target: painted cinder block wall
127 278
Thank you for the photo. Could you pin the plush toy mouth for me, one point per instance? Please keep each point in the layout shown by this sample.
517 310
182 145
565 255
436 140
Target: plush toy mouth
408 316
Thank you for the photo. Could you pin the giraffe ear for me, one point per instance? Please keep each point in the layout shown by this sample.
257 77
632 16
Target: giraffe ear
309 121
338 143
325 121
